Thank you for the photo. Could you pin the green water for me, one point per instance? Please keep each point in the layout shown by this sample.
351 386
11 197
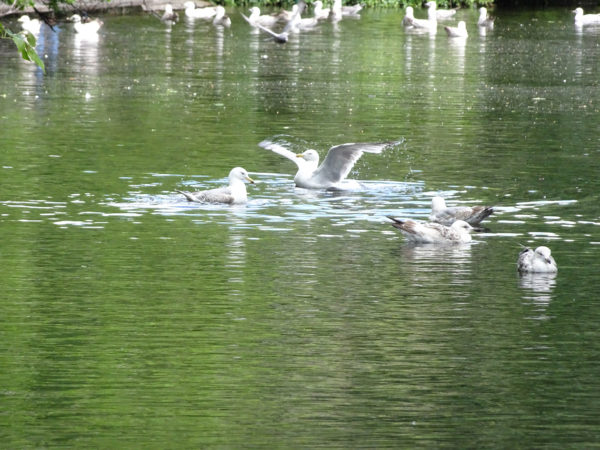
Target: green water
130 318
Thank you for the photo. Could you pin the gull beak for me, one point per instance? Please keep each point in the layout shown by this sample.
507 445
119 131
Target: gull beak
300 155
250 180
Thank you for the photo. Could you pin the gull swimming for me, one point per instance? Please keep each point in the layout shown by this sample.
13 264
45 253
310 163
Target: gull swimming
429 24
265 20
192 12
536 261
433 233
458 31
31 25
582 19
88 28
445 215
282 37
320 12
484 20
221 19
169 16
233 194
335 168
445 14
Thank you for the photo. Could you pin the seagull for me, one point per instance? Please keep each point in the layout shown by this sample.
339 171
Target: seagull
287 15
582 19
169 16
429 24
445 14
221 19
433 233
31 25
320 12
409 16
88 28
264 20
234 193
192 12
282 37
484 20
537 261
458 31
335 168
440 213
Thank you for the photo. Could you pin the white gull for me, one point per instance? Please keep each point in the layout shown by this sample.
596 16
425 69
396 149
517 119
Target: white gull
232 194
536 261
338 163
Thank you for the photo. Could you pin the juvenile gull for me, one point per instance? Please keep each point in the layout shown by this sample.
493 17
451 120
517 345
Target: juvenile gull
221 19
582 19
169 16
31 25
445 215
458 31
433 233
484 20
536 261
335 168
234 193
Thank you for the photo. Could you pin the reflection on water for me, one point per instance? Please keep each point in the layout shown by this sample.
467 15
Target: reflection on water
303 316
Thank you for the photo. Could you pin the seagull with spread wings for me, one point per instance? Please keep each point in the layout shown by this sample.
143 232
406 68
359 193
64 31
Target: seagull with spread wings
338 163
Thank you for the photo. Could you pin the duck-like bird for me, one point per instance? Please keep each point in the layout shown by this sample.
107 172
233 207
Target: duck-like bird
445 215
87 28
31 25
332 173
433 233
539 260
582 19
232 194
205 13
484 20
458 31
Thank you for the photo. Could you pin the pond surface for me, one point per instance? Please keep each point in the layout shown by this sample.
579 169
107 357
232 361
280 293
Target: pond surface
131 318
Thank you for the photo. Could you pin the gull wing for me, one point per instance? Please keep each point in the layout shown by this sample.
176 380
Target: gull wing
281 150
341 158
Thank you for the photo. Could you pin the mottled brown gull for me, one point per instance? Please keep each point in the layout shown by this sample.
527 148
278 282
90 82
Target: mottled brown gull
433 233
447 215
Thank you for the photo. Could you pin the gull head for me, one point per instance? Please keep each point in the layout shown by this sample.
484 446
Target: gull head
255 10
310 156
431 4
544 252
482 12
188 5
75 18
239 173
24 19
578 11
410 12
168 8
462 226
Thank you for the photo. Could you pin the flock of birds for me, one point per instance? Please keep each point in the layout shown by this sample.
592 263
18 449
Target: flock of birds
446 225
293 22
